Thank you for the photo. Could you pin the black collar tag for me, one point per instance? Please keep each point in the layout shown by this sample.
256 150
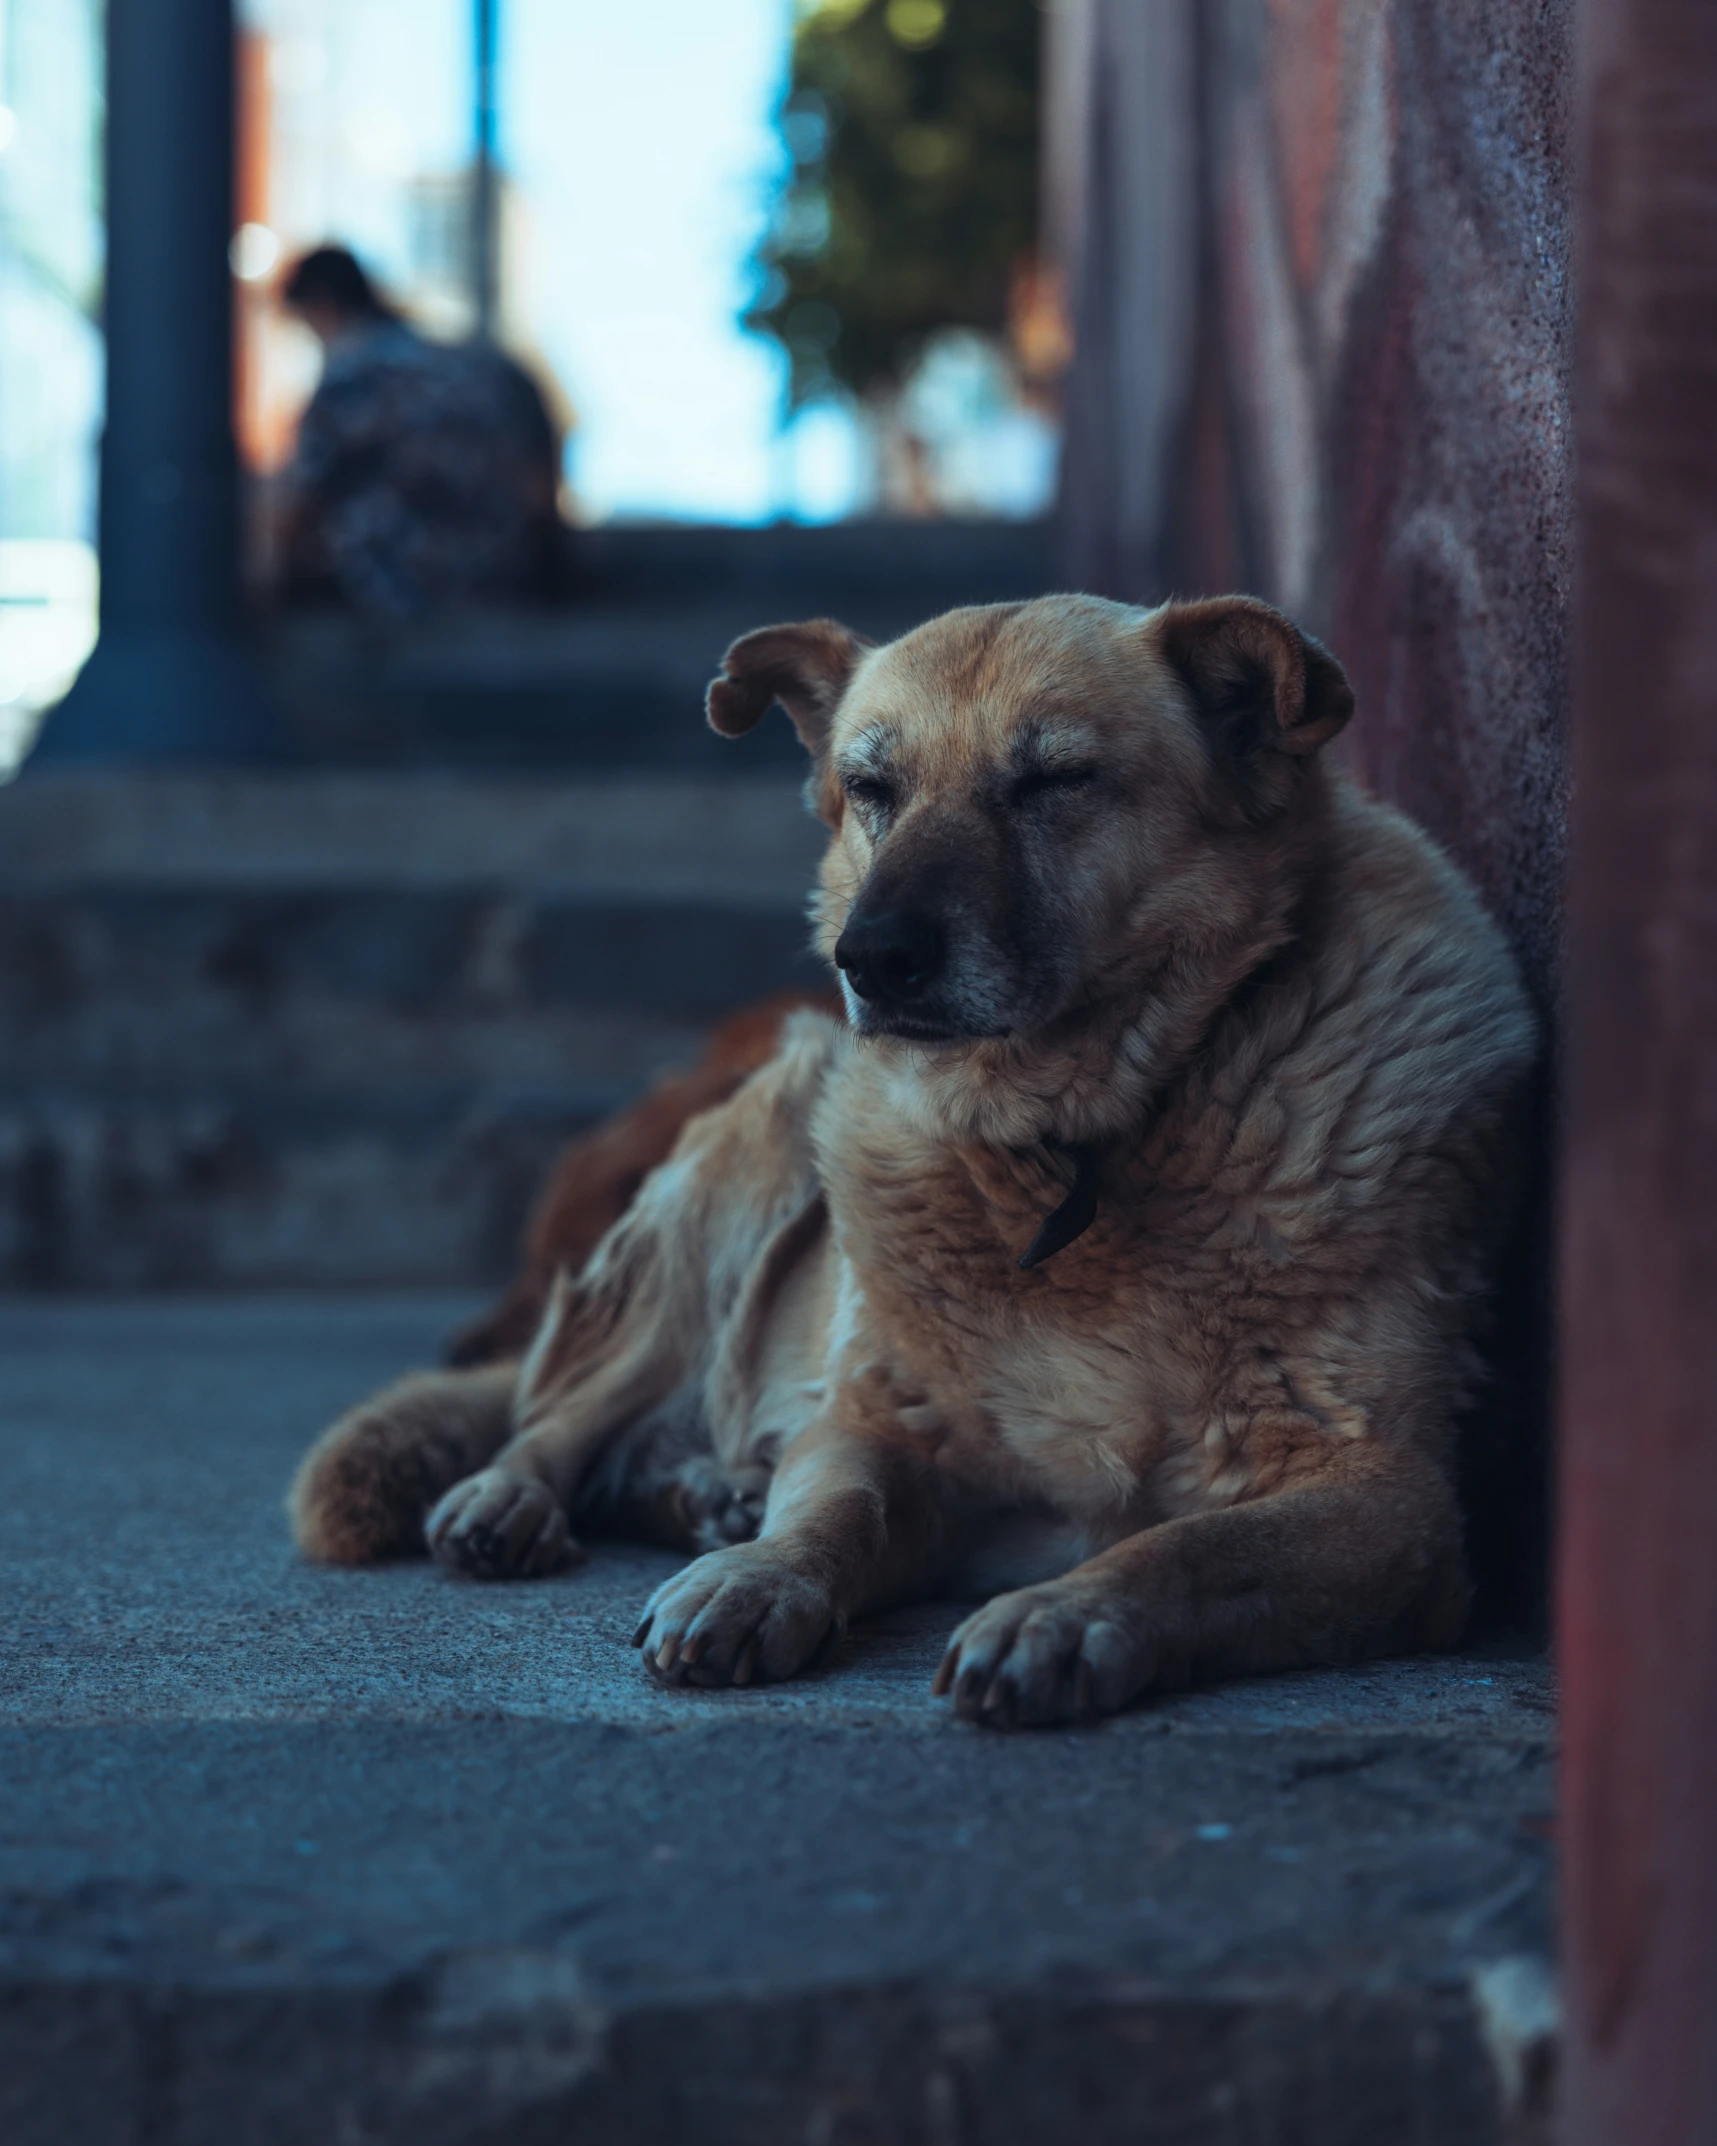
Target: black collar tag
1072 1218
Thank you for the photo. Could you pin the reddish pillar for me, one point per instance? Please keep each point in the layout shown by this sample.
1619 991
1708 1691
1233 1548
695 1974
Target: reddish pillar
1637 1588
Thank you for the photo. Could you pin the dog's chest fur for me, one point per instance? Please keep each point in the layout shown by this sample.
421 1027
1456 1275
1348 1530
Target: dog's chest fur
1080 1381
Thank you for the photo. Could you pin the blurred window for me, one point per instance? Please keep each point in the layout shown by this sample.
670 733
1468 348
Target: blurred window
50 352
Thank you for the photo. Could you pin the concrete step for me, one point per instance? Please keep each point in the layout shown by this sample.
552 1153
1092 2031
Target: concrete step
615 678
543 690
868 565
333 1027
290 1857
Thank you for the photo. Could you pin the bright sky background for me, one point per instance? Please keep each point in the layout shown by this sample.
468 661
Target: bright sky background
640 135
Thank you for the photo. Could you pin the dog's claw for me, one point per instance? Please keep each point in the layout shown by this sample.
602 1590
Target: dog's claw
999 1701
494 1525
739 1615
1037 1656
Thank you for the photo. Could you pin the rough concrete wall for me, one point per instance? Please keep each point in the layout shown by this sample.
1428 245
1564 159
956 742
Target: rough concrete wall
1321 287
1319 257
1122 208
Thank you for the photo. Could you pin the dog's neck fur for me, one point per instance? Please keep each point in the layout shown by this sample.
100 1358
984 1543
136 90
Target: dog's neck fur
1084 1084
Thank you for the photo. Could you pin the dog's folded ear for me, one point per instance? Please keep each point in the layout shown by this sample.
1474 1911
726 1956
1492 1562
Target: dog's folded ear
804 667
1260 686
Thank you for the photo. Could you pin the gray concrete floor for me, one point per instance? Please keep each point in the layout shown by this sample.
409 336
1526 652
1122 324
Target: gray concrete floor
294 1855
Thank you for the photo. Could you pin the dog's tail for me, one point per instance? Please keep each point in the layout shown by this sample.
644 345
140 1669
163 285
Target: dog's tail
367 1485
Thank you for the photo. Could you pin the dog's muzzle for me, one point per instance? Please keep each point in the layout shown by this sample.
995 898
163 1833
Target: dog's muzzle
893 958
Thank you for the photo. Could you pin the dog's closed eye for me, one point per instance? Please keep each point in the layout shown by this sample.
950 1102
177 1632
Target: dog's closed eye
872 795
1050 782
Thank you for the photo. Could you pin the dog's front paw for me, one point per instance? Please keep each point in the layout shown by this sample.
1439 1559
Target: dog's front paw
738 1616
498 1525
1043 1654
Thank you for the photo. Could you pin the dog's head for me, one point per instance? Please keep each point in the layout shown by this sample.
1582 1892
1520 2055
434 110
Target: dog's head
1036 806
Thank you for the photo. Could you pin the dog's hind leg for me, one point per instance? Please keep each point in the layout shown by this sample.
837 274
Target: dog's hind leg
366 1486
641 1330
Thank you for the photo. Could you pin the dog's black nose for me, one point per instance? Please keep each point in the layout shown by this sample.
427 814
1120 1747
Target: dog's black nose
893 954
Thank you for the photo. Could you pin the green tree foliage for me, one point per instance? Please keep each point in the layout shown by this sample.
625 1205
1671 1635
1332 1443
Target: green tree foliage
912 128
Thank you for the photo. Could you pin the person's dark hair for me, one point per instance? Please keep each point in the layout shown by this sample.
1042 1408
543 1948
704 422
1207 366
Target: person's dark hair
330 276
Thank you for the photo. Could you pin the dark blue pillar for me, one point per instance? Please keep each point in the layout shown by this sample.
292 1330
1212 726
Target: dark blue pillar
485 188
170 678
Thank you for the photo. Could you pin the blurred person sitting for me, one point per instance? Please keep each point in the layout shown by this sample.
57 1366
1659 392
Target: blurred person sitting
425 474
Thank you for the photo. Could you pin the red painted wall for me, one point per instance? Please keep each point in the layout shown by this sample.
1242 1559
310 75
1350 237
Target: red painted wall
1637 1595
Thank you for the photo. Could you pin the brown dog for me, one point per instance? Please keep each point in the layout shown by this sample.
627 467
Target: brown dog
596 1177
1123 1252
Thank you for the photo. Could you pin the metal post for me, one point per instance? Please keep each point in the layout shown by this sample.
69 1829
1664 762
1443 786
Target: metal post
485 190
1637 1587
169 678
